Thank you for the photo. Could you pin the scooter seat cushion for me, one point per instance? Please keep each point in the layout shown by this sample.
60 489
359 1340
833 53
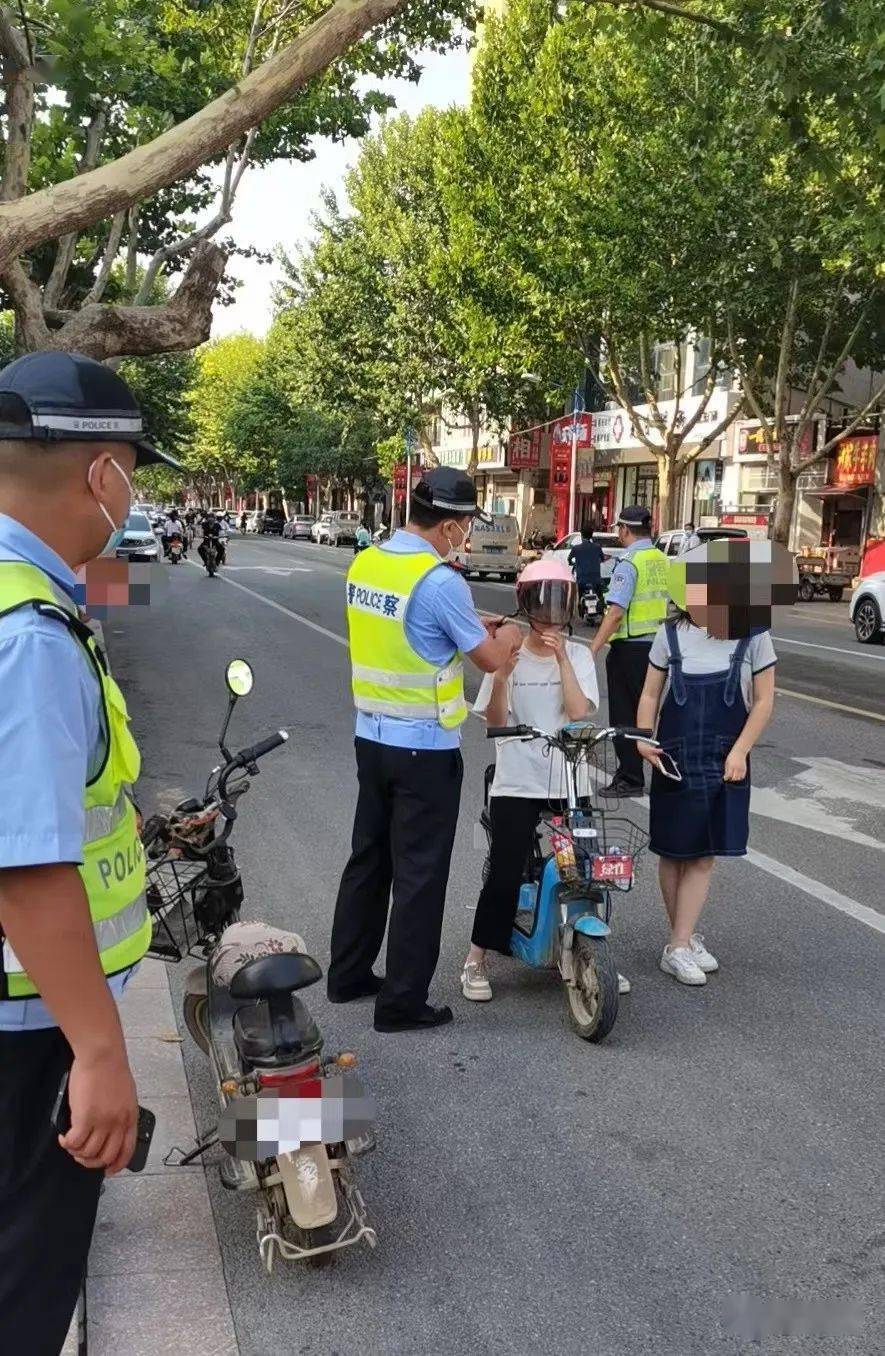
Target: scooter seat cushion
243 942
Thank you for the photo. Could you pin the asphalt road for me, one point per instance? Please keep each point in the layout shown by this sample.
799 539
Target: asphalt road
719 1156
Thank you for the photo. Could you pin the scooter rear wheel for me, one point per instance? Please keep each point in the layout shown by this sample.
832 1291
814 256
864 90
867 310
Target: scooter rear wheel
196 1018
592 1001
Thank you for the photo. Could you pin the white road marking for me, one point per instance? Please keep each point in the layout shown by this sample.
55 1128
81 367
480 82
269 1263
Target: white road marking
810 799
811 645
273 569
823 701
817 890
278 607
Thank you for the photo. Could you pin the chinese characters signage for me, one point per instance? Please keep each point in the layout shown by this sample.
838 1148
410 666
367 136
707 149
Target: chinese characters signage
524 449
856 461
399 480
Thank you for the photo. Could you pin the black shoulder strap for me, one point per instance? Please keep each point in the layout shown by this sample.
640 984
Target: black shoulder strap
78 628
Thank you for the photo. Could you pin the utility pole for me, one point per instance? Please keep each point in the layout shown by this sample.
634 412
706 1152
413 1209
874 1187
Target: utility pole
577 408
410 444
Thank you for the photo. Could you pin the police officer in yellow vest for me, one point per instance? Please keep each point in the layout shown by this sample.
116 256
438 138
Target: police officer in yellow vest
72 911
637 605
411 620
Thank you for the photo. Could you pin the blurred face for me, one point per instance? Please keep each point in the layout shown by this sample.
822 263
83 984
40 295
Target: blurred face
731 587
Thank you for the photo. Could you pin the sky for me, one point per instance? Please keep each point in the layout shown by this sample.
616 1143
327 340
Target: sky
274 204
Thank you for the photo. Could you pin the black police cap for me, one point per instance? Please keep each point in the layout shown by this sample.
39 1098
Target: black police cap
635 516
57 397
450 491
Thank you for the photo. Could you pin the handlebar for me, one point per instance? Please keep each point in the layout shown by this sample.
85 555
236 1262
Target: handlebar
599 732
246 757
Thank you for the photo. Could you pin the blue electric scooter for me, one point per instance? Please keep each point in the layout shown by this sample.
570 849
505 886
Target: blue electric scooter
564 911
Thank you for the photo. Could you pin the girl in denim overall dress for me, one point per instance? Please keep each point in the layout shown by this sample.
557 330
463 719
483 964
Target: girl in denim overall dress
717 699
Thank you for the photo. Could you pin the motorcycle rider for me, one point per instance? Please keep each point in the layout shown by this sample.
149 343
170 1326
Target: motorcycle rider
586 561
212 526
363 539
173 527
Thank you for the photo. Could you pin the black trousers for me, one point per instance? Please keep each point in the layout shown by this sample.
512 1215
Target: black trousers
403 835
513 829
48 1202
625 669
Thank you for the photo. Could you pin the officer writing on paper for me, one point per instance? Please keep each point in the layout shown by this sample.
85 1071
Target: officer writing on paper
411 619
72 908
637 605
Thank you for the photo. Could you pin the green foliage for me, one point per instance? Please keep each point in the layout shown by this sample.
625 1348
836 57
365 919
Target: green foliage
7 338
224 370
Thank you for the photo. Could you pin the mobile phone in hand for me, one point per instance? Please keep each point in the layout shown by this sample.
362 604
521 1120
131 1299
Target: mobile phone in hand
144 1132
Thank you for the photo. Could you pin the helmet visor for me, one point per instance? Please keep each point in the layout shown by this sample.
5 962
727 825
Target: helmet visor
550 602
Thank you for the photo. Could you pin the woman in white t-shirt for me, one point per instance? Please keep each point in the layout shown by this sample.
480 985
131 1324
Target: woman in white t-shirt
549 682
715 697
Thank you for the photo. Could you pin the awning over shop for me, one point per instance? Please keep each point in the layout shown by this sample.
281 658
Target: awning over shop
838 492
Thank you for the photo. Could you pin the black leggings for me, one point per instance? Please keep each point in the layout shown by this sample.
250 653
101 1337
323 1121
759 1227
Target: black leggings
513 827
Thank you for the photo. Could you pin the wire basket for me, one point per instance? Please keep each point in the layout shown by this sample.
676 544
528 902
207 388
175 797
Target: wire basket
614 832
172 882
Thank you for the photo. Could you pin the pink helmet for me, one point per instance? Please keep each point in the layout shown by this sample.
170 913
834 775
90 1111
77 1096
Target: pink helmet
549 568
546 592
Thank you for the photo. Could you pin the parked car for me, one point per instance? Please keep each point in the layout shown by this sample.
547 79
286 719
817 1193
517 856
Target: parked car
299 527
139 541
867 609
337 528
271 522
493 548
612 550
678 541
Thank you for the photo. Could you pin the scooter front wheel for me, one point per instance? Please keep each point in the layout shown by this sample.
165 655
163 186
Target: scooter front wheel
592 1000
196 1018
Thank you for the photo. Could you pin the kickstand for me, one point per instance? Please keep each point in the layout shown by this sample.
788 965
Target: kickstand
186 1158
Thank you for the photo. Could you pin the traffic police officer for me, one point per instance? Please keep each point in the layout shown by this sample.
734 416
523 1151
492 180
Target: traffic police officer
72 909
411 619
637 605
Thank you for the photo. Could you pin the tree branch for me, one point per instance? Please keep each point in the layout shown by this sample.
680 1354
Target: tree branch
828 447
67 245
674 11
625 402
18 81
784 358
749 388
175 154
185 321
111 250
28 306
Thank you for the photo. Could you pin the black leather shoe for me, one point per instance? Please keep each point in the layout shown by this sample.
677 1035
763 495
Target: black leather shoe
620 789
366 988
429 1017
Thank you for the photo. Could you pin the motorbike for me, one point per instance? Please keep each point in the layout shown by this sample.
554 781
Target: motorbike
210 555
176 549
566 896
291 1119
591 607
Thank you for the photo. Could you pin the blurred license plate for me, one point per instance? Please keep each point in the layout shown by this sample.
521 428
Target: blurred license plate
494 550
613 868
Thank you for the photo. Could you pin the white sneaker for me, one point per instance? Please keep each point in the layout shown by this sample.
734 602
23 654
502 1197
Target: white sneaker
703 958
475 982
680 963
624 985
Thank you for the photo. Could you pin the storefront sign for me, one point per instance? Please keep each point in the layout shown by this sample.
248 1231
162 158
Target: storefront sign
399 481
752 442
524 449
856 461
614 428
755 524
490 458
563 431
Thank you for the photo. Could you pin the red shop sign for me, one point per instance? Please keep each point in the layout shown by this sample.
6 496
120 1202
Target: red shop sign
856 461
524 449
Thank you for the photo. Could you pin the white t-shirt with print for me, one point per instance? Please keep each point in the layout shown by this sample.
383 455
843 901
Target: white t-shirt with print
527 767
704 654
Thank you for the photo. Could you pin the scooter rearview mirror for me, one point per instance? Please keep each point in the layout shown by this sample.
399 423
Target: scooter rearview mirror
239 678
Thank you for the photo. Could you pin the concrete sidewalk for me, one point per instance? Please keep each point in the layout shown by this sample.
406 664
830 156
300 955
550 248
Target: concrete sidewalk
155 1282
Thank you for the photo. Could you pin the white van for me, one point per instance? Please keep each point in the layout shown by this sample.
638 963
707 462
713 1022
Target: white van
493 548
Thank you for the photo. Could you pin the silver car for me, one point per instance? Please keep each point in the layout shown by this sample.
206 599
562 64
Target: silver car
299 527
139 541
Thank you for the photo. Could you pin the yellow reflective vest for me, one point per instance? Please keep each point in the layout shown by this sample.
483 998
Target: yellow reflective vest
389 677
648 606
112 872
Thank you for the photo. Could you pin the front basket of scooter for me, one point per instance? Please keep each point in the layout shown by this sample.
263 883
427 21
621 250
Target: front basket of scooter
171 884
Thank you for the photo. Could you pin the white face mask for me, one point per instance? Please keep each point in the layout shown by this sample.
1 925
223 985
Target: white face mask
453 550
116 533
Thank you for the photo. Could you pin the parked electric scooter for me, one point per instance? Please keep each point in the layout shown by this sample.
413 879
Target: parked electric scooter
591 606
565 901
291 1119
